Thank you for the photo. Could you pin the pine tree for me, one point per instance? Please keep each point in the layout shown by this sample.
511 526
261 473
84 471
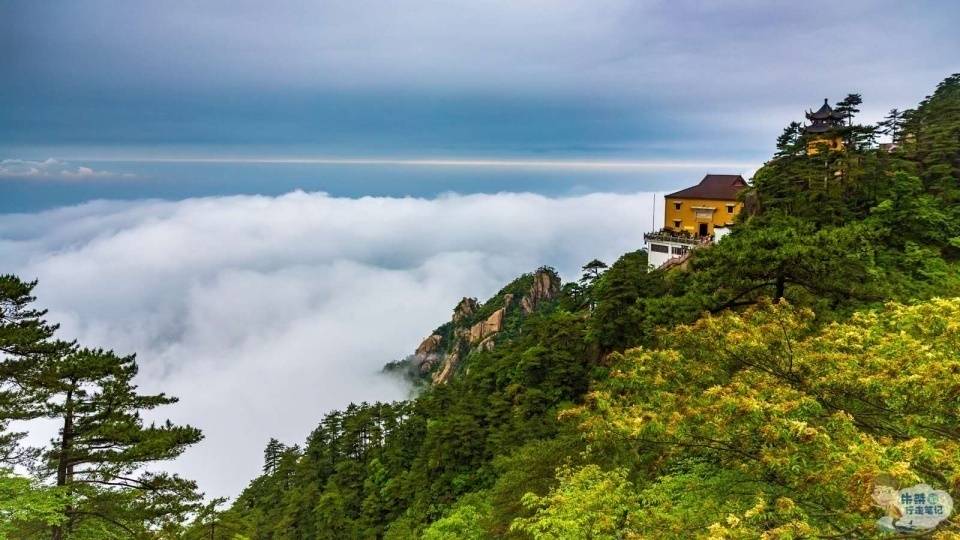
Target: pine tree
592 271
208 520
847 107
931 138
789 141
617 321
25 339
271 456
97 458
857 137
892 124
103 445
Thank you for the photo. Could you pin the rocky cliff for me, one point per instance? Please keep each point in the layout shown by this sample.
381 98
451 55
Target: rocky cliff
477 327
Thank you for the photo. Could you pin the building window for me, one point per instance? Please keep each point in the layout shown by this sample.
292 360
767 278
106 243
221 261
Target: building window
676 224
729 208
676 205
659 248
678 250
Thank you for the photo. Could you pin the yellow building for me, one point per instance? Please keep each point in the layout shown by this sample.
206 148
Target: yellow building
823 129
697 216
699 209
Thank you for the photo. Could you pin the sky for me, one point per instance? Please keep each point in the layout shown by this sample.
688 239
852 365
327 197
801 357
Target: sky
267 201
593 79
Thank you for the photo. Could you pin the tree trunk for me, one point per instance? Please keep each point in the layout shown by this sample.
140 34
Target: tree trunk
781 285
64 469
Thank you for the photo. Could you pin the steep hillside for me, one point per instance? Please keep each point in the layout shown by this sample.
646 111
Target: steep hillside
763 391
479 327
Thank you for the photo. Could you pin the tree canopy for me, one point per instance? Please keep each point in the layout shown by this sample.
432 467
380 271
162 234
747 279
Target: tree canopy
92 480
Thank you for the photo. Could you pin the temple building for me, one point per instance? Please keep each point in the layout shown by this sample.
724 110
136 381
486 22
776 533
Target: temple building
695 216
823 129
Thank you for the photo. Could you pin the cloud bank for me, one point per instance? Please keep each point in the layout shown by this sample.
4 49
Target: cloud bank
263 313
52 169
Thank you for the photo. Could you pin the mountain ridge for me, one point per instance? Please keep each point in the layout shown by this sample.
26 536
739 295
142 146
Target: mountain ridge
476 326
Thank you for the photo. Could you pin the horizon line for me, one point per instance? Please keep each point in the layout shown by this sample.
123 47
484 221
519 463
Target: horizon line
434 162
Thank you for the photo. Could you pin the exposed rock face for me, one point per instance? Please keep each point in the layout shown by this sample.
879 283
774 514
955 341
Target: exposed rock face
449 364
429 345
442 356
466 308
545 287
427 354
488 327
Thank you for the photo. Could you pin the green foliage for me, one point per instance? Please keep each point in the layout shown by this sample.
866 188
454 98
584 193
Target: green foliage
619 319
776 255
783 421
464 522
930 140
847 107
790 142
529 469
272 455
209 523
587 503
892 125
27 505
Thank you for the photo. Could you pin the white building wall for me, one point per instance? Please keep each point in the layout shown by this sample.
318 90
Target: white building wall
674 250
654 258
719 233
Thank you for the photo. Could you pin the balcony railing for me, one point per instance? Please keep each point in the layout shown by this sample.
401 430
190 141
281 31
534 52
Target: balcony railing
679 238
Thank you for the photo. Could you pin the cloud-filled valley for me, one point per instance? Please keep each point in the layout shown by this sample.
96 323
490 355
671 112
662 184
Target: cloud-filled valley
263 313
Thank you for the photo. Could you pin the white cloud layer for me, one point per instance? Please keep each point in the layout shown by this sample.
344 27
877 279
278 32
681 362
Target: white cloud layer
263 313
52 169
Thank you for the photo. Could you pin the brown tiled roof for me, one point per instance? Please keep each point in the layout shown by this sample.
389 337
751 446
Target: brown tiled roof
713 186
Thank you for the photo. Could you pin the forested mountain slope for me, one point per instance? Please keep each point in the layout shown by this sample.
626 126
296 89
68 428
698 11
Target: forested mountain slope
760 392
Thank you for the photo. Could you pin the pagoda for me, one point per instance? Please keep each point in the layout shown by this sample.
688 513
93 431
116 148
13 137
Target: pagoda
823 129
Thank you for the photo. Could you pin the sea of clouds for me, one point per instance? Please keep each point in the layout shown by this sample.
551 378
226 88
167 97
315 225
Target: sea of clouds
263 313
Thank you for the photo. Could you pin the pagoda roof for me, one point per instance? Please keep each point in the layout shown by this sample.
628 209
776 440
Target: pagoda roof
723 187
825 112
